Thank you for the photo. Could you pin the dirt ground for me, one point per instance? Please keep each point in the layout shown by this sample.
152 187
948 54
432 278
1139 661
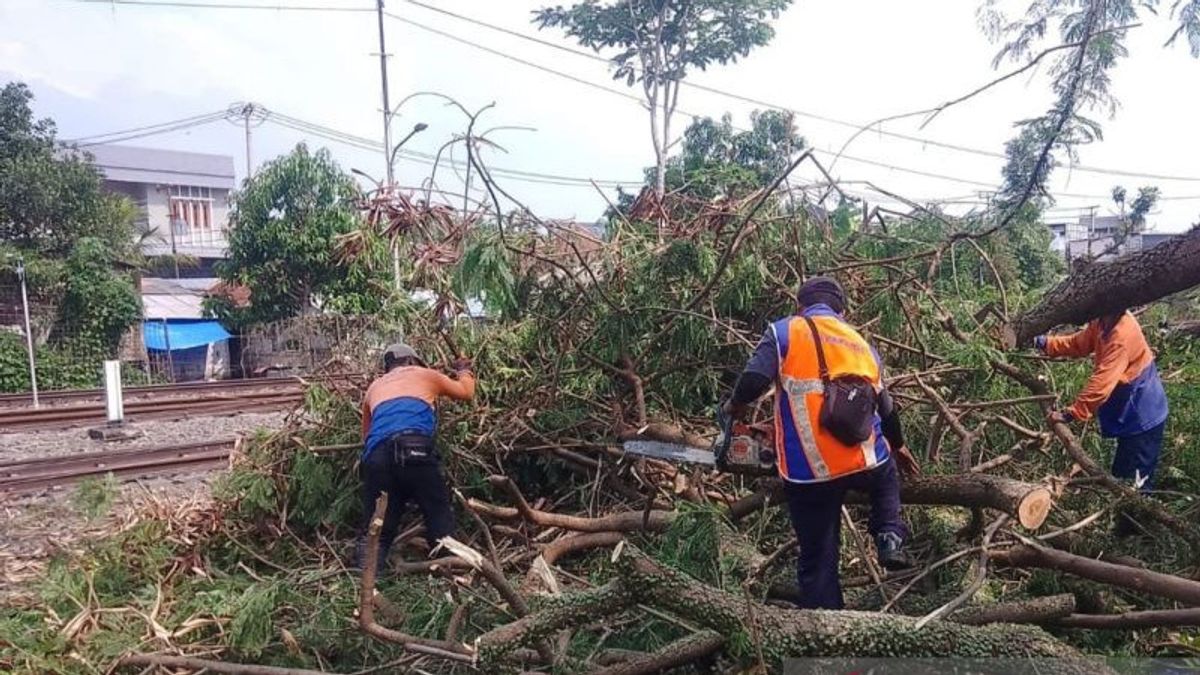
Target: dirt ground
36 526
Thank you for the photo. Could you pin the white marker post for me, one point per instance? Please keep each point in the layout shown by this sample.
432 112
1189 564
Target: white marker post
28 333
113 401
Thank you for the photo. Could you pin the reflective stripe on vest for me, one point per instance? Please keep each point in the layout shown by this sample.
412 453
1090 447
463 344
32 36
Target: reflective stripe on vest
806 452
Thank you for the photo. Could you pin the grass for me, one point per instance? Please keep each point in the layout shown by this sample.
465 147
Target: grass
94 496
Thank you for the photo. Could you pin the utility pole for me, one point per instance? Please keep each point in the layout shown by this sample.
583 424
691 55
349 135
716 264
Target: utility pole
247 112
387 105
387 134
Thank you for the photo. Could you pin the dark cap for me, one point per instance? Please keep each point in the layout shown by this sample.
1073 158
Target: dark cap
399 351
822 290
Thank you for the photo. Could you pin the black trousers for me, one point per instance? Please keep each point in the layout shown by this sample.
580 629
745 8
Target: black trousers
422 483
816 511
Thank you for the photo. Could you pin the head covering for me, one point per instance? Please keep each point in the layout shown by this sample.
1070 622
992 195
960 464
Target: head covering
822 290
399 351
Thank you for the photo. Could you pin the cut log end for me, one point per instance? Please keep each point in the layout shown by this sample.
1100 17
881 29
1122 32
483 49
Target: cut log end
1033 508
1008 336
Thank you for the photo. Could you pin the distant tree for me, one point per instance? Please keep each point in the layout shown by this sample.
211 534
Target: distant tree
75 239
1092 37
659 41
716 160
50 196
1133 213
284 226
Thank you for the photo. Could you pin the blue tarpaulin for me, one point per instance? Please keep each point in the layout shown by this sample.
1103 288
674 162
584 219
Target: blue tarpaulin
182 334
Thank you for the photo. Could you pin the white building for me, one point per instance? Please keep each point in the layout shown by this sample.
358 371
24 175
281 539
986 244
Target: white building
183 201
1100 238
183 197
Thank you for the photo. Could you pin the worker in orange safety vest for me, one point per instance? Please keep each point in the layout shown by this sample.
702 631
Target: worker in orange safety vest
836 430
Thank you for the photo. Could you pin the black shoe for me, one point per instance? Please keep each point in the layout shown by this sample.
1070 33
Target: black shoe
892 555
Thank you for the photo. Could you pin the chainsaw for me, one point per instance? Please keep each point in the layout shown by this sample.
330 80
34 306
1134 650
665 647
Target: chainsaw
740 448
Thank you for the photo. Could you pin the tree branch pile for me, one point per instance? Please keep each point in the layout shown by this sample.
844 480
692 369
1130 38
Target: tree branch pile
569 553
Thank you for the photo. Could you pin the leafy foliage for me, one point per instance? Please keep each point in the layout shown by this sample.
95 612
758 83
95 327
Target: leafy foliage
76 241
51 199
98 305
284 226
715 160
686 34
1094 33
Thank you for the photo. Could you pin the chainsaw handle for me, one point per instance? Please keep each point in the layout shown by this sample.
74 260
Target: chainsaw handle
725 424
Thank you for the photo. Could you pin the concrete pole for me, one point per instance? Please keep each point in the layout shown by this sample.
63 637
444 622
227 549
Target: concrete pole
387 135
28 334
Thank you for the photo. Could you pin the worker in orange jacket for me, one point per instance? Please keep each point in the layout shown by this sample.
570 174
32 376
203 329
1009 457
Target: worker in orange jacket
1124 393
399 422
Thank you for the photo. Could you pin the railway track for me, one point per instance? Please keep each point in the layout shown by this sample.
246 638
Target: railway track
36 474
153 391
65 409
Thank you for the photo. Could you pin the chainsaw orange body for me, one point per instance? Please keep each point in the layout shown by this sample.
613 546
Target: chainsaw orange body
746 448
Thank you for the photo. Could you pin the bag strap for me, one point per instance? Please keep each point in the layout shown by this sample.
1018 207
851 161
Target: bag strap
824 369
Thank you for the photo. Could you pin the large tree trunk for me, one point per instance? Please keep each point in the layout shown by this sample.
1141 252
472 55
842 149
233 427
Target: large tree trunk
1033 610
755 630
1104 288
1145 581
1028 503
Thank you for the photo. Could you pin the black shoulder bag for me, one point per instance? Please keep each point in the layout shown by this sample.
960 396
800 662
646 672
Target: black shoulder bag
848 408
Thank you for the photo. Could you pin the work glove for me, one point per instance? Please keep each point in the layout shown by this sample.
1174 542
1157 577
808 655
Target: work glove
1039 343
462 365
1061 416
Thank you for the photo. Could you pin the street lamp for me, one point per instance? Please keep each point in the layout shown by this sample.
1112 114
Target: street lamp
417 128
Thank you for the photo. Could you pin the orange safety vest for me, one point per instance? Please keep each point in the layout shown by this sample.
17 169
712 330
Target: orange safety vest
806 452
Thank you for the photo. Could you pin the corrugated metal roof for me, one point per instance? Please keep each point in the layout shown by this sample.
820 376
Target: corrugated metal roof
175 298
163 286
173 306
130 164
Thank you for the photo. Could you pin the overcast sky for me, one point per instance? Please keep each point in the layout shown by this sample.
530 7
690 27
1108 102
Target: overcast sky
97 68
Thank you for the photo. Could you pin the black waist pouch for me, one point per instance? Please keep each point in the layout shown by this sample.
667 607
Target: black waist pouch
849 402
413 450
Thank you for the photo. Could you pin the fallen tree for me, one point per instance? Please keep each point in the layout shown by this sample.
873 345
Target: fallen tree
1132 578
765 632
1155 618
1027 503
1104 288
1032 610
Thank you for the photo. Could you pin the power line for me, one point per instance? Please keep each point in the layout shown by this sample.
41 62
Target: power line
510 57
638 100
148 127
365 143
735 96
152 132
767 104
627 95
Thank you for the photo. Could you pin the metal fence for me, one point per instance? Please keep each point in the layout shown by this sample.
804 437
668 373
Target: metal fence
166 350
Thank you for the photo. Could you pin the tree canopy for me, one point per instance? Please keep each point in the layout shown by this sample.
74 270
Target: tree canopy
715 159
72 235
284 227
50 196
658 42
